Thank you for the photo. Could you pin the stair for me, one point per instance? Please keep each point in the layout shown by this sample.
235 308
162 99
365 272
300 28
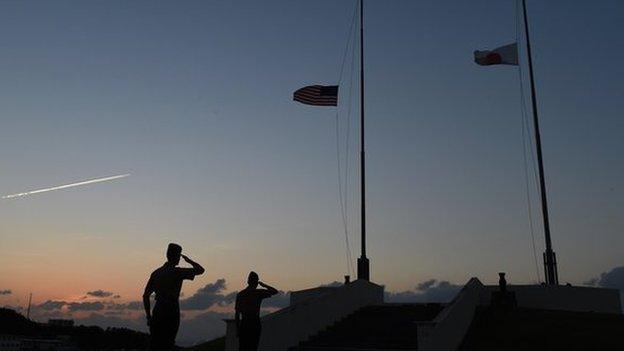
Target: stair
376 327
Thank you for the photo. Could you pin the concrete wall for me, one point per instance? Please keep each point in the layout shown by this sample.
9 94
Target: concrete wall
231 340
562 297
291 325
447 330
302 295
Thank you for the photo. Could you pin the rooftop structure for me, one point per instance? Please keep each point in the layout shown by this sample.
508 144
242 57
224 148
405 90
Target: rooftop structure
355 317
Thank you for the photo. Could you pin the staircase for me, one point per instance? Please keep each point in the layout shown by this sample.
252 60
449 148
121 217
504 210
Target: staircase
375 327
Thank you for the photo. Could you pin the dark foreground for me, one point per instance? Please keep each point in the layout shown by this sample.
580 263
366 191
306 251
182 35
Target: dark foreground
35 335
533 329
38 336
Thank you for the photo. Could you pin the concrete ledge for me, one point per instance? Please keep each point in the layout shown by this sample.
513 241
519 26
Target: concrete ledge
562 297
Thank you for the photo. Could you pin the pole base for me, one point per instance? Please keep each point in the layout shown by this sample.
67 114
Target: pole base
550 268
363 269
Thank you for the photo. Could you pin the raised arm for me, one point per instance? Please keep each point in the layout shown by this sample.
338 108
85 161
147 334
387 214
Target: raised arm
196 266
272 291
149 289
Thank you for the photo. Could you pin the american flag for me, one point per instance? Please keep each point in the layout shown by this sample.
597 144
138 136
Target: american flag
317 95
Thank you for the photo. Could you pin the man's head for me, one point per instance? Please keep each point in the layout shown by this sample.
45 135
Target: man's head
253 279
173 253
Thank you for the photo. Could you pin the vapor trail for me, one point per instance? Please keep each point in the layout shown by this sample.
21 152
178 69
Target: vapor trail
86 182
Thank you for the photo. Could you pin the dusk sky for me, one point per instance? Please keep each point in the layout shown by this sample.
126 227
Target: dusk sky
194 99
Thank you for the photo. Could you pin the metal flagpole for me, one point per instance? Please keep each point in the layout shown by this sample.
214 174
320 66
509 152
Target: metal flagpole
362 263
550 259
28 310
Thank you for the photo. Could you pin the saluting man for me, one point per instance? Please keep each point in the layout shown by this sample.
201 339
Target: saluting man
248 303
166 282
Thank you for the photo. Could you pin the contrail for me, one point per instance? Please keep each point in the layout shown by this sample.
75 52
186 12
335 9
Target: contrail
92 181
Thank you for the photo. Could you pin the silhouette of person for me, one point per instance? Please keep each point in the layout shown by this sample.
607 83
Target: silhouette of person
166 282
248 303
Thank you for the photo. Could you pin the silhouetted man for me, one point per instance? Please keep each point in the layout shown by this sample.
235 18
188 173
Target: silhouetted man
248 303
166 282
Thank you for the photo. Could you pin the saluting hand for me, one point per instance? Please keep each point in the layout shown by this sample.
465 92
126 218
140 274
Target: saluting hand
271 289
198 268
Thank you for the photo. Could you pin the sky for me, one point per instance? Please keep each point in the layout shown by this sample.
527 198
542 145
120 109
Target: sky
194 100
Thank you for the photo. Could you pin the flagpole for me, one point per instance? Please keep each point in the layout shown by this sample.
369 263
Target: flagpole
550 259
28 310
362 263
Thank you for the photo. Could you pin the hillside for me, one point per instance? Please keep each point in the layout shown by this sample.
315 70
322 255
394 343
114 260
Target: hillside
85 338
217 344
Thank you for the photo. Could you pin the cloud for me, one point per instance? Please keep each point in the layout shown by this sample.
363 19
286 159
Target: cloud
613 279
132 305
50 314
195 327
6 292
209 295
85 306
51 305
202 327
117 313
426 284
280 300
100 293
213 294
432 290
